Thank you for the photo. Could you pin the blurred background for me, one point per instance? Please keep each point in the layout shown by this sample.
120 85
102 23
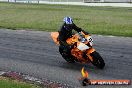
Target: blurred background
85 1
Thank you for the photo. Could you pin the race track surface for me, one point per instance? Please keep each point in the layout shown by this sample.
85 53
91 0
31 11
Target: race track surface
34 53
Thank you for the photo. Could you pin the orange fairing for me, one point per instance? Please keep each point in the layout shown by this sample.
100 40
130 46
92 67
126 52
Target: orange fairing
76 52
72 40
54 36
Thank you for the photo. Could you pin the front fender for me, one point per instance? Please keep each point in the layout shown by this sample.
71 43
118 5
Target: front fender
89 51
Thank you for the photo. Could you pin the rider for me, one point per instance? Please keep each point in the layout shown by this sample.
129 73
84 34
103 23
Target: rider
65 32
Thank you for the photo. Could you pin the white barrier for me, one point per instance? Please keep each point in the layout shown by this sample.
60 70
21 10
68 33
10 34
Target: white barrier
72 3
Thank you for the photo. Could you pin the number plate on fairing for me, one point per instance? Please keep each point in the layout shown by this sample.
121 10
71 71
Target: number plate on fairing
90 39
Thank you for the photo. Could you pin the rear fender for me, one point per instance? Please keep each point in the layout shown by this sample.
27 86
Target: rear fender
89 51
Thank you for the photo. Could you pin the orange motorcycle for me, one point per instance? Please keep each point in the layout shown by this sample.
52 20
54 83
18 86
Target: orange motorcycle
82 51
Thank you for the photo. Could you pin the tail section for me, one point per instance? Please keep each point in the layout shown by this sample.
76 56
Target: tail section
54 36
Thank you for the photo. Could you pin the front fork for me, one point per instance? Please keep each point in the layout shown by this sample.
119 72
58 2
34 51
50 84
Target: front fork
89 51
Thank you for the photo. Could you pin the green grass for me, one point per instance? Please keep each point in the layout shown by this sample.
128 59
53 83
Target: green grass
8 83
98 20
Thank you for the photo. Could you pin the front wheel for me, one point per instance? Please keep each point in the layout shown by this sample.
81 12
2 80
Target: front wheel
97 60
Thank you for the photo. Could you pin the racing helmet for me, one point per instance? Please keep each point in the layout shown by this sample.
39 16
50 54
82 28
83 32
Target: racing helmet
68 20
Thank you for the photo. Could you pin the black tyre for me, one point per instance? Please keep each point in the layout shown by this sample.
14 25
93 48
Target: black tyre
66 56
97 60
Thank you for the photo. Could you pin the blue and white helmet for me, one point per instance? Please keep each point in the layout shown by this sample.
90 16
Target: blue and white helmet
68 20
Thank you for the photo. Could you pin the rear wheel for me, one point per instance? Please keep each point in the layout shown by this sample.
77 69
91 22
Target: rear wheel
97 60
66 56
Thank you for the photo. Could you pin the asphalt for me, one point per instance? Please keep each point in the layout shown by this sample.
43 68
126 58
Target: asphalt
34 53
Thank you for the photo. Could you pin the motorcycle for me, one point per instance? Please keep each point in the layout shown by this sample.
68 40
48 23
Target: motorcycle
82 50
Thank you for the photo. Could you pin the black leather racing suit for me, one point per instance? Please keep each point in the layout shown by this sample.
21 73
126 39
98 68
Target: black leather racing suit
65 32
